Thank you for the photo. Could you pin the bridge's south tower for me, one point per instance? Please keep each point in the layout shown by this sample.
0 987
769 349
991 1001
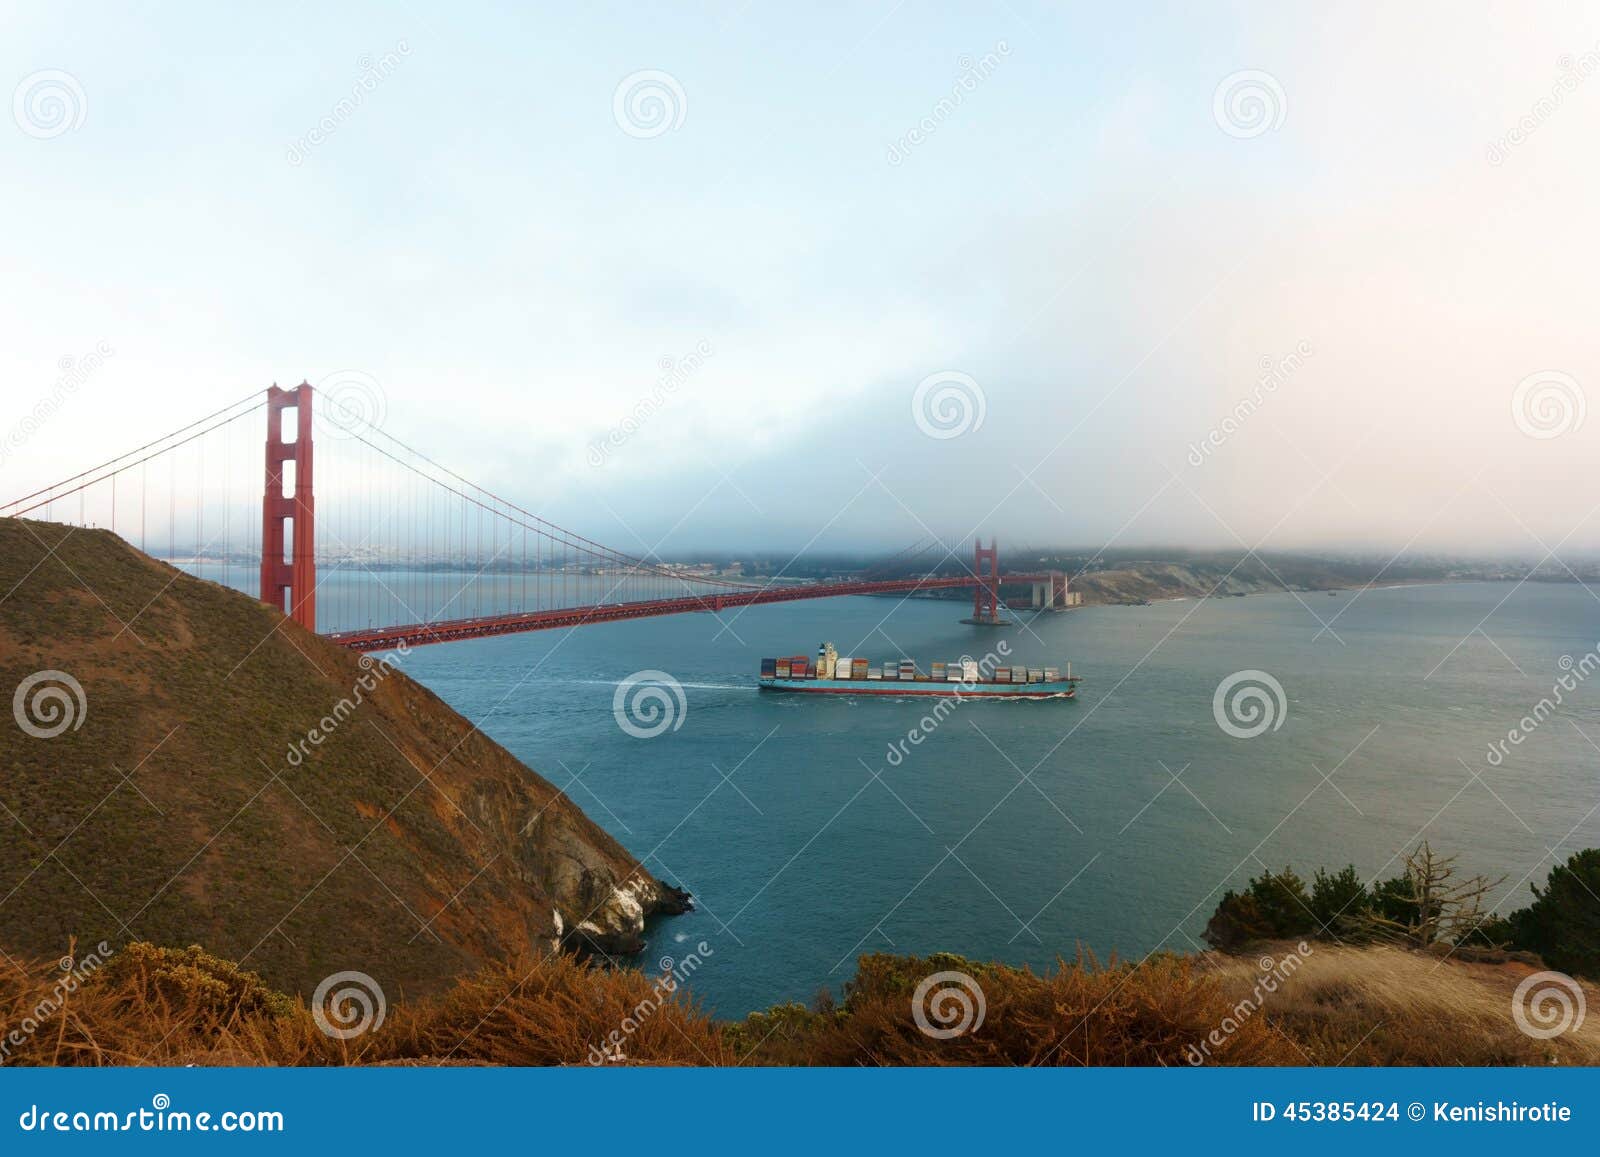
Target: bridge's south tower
289 582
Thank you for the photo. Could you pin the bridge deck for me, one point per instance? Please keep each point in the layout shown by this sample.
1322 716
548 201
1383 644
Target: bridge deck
420 634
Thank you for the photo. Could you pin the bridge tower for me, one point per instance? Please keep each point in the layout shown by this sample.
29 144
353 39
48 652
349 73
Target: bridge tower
986 594
1055 593
289 583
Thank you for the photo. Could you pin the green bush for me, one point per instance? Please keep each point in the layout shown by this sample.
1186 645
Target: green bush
1563 923
1395 899
1338 899
1491 932
1274 907
1236 922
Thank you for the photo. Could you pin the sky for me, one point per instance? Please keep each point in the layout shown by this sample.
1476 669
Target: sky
739 274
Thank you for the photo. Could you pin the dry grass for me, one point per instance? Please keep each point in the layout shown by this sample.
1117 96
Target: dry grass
557 1012
1356 1006
152 1006
1077 1014
1393 1006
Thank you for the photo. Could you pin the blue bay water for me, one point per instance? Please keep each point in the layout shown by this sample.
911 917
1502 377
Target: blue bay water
1023 831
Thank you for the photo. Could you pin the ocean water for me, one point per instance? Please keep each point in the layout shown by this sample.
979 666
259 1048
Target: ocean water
1023 831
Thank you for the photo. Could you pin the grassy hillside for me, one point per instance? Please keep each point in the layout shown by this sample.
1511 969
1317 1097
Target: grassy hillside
404 844
1340 1006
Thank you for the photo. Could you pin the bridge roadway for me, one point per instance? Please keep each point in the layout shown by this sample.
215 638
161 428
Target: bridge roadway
451 630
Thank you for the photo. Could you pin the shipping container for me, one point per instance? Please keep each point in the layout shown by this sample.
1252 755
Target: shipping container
841 667
874 672
969 670
1036 674
1019 674
938 671
782 668
1002 674
952 672
858 668
1052 674
769 667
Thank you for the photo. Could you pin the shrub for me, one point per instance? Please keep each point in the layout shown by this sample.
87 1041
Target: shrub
1490 932
1079 1013
1238 921
157 1006
557 1011
1337 899
1274 907
1282 899
1393 900
1563 923
193 980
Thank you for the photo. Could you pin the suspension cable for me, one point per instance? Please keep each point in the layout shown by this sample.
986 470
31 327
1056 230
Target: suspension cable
50 490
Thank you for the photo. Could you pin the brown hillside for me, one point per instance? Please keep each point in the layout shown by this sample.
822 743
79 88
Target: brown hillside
1341 1006
406 845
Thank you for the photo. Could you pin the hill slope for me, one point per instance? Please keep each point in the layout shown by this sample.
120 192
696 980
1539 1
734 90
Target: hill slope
1338 1006
190 804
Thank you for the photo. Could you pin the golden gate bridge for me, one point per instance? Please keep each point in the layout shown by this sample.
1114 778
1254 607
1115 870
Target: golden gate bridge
381 565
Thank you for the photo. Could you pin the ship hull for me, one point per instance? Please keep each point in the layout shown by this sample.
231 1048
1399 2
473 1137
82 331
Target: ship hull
1060 689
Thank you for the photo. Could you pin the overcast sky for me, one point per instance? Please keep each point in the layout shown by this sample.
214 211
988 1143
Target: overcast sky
1087 232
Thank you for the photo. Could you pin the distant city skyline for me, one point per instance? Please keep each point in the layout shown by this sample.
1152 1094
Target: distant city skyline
725 279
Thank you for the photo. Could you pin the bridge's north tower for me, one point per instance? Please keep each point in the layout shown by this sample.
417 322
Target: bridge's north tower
289 581
986 591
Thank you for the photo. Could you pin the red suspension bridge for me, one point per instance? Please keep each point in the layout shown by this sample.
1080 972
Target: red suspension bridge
408 551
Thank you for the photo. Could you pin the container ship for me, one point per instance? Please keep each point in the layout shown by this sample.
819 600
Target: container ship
833 674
